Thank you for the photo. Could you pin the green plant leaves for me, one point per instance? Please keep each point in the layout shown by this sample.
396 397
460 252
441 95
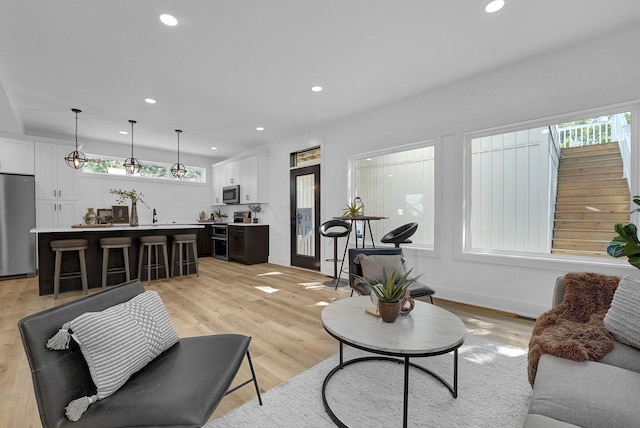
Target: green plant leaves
390 290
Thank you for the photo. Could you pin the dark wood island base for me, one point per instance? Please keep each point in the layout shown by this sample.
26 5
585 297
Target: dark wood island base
71 263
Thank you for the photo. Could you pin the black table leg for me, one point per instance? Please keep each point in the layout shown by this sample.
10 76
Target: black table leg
405 404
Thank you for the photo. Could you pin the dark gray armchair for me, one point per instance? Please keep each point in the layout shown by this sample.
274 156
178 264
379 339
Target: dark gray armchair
180 388
416 289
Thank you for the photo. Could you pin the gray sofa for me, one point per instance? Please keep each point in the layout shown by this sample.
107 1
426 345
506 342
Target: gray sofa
586 394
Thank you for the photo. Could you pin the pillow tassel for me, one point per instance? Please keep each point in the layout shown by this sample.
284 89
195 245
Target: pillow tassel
77 407
61 339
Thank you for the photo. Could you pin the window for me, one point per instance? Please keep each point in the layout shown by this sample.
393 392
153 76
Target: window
153 170
550 189
399 185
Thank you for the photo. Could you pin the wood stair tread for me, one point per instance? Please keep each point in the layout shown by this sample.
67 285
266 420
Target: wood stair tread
592 196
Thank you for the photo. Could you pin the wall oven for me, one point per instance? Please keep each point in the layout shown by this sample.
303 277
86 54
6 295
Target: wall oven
220 241
231 194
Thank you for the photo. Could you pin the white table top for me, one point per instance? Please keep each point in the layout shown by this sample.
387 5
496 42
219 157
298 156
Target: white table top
116 227
428 329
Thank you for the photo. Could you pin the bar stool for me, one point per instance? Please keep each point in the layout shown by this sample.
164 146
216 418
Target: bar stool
180 240
61 246
106 244
148 242
335 229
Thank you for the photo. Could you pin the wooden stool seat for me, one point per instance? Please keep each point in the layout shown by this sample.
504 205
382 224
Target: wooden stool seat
148 242
180 240
115 242
64 245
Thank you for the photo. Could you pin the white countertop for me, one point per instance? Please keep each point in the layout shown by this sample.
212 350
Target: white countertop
115 227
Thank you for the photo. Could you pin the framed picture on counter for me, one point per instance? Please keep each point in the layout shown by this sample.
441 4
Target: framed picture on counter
104 215
120 213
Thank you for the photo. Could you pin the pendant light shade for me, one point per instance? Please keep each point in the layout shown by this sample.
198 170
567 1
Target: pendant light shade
178 170
132 165
76 159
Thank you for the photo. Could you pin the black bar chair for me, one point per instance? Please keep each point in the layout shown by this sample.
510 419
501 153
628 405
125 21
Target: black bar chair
335 229
400 235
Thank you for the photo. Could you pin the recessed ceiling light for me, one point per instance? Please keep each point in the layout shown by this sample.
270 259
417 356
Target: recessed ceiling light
124 132
214 148
494 6
316 88
259 128
169 20
150 101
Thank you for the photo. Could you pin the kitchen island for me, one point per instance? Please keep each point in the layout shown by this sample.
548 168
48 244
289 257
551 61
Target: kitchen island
70 262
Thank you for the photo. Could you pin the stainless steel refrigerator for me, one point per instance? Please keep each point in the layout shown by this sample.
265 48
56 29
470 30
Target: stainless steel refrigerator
17 217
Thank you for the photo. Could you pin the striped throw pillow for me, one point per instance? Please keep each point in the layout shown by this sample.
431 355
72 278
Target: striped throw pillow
622 318
118 342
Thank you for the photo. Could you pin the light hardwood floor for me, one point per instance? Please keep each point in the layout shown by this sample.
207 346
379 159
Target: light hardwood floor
278 306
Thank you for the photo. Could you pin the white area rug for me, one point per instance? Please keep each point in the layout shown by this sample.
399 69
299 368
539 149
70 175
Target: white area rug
492 392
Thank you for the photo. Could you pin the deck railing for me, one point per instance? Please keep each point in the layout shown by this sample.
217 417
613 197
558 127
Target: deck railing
615 129
585 135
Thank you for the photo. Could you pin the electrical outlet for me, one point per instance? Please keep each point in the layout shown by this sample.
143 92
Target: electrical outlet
510 275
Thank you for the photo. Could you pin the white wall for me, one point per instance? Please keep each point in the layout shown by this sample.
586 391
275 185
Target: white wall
174 201
552 84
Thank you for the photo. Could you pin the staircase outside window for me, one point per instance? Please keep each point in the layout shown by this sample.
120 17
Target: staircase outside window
556 189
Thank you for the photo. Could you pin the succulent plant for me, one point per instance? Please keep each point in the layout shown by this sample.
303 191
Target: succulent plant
390 290
353 210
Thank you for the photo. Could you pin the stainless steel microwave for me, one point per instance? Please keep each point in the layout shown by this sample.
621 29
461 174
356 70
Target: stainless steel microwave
231 194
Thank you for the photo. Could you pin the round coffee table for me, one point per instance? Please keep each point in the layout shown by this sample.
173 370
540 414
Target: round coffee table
427 331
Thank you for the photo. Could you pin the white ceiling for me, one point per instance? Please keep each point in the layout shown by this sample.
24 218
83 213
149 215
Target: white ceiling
230 66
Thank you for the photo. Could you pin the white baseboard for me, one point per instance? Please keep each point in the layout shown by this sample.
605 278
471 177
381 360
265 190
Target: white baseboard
518 307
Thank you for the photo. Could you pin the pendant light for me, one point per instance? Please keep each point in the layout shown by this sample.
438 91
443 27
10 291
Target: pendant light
178 170
76 159
132 165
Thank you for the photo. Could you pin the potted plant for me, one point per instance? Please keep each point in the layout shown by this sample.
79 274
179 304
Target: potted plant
218 215
626 243
255 209
134 197
389 293
352 209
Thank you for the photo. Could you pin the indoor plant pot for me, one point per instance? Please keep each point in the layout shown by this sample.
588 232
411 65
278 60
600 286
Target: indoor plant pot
389 311
390 294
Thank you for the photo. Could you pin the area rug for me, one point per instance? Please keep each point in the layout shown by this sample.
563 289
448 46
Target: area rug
492 392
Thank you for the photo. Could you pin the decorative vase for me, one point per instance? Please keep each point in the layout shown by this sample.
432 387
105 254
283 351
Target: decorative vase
90 216
389 311
133 220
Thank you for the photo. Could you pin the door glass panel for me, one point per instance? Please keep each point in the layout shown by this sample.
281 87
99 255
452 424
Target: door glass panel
305 208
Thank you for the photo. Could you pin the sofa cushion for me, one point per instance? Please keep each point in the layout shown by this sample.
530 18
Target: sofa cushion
117 342
623 319
623 356
374 266
540 421
588 394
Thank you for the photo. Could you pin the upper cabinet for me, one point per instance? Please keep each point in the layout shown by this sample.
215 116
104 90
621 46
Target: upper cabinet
16 156
251 174
54 179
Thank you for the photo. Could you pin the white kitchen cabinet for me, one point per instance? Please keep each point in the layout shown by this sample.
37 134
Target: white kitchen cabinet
16 156
54 179
251 174
52 213
254 179
55 187
231 174
217 183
